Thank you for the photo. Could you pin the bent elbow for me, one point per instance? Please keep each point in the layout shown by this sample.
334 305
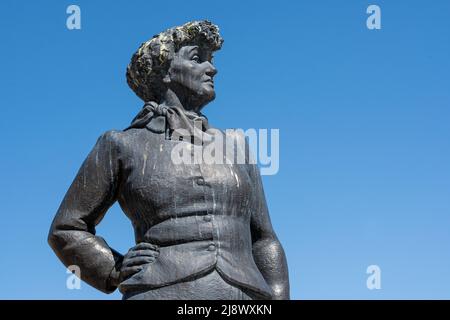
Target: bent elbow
57 237
53 239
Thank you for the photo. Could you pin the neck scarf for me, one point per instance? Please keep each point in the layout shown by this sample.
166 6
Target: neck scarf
163 119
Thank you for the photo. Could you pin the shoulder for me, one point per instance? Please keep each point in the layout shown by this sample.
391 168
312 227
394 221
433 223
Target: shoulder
126 141
113 142
111 138
120 137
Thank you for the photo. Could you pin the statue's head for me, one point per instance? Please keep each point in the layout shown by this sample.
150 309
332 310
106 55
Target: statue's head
178 59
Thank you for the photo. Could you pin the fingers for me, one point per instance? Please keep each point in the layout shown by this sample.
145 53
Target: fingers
143 249
144 246
141 253
137 261
128 272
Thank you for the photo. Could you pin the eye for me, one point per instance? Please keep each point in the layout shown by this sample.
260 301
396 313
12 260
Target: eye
196 58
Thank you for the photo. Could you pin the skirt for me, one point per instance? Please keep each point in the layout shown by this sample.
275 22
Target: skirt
209 287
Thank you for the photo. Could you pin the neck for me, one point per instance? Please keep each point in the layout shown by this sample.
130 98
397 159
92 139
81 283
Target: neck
171 99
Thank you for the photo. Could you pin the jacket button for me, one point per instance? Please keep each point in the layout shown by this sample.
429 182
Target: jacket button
212 247
200 181
207 218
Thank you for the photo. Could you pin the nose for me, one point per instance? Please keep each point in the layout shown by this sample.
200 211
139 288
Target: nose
210 69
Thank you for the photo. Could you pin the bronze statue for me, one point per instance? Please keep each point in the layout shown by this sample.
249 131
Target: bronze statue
202 230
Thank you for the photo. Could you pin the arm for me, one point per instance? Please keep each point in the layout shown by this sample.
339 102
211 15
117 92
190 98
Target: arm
72 233
267 250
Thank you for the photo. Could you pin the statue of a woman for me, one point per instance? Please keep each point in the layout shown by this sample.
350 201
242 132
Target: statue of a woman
202 230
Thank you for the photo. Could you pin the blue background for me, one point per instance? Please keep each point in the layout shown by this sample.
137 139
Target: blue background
364 132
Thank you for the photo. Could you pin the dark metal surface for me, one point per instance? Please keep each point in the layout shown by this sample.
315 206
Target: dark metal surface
191 221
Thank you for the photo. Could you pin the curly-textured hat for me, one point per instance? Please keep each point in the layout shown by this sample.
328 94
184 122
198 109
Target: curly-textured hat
151 61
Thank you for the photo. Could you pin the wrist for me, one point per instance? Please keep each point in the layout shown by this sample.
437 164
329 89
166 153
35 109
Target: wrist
113 280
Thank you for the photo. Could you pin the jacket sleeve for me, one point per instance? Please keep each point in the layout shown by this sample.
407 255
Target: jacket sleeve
267 250
72 233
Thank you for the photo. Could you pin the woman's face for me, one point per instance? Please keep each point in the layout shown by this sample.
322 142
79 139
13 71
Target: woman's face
192 70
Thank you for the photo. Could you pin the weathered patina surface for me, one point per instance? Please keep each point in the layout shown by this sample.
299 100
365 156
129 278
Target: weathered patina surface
202 230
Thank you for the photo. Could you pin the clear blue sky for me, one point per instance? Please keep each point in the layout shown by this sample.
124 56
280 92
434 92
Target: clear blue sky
363 116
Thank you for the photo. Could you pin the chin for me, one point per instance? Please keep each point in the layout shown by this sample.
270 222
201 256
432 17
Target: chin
212 96
208 96
204 102
203 97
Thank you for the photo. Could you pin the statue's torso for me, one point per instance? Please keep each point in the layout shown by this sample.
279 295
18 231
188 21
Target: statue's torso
199 214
